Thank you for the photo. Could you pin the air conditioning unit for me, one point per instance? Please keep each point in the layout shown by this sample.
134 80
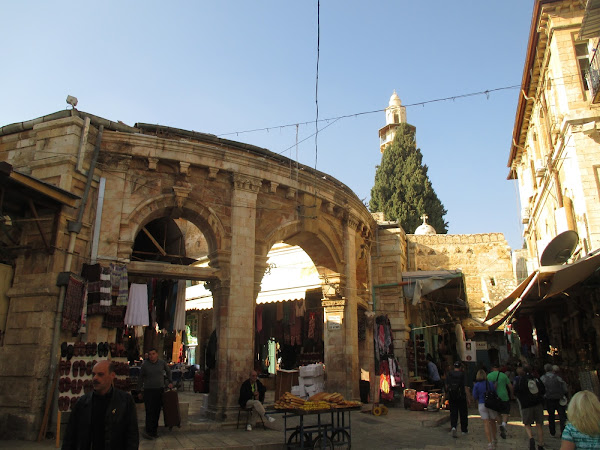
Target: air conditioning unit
525 215
540 168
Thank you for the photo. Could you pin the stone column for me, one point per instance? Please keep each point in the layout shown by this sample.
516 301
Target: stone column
350 313
236 303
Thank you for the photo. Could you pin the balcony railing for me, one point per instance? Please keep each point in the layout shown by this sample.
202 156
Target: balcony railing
593 75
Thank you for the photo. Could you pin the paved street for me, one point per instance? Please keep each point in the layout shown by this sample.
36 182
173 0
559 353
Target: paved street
399 429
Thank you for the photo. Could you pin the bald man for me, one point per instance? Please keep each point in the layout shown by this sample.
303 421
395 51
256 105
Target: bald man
104 418
252 394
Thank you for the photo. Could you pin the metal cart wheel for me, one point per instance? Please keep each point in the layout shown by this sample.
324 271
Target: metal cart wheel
323 442
294 440
341 439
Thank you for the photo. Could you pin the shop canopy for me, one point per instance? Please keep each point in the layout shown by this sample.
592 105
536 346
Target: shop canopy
544 284
444 285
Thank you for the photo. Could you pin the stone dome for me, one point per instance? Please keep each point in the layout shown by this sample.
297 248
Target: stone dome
425 228
395 100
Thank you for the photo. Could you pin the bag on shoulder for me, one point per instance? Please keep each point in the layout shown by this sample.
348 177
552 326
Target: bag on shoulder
491 399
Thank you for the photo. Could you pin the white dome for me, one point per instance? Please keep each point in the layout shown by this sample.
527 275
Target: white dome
395 100
425 228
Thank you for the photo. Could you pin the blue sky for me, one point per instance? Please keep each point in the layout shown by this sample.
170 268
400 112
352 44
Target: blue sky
221 67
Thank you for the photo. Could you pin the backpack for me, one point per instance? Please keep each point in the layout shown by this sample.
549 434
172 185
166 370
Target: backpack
456 389
533 391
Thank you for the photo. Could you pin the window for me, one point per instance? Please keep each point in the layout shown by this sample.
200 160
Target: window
583 61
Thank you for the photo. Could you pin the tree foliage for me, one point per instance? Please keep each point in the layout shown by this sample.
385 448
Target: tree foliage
402 189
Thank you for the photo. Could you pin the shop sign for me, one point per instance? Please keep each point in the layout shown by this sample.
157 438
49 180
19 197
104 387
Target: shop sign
469 355
481 345
334 321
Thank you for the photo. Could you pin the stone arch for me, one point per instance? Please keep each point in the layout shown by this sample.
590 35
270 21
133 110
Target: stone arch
312 243
201 216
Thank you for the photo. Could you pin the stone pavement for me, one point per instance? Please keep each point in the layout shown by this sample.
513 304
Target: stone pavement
399 429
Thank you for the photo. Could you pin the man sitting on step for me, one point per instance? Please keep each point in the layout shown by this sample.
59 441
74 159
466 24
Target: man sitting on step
252 394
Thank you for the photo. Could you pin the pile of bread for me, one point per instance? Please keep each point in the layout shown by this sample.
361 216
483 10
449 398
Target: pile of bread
321 400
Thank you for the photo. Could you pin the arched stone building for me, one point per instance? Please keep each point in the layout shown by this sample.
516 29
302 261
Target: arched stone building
242 198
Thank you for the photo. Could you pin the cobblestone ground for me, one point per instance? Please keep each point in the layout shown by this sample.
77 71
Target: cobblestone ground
399 429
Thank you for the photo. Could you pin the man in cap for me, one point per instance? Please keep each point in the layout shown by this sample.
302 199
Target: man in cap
459 399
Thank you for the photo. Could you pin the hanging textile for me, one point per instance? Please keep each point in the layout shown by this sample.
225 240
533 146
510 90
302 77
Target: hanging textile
71 316
119 283
311 325
137 307
179 319
93 274
259 318
83 322
114 317
300 308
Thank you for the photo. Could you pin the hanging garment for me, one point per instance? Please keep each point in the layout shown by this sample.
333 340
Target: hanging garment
137 307
93 274
119 283
300 308
73 304
311 325
279 311
114 317
105 287
259 318
179 320
83 322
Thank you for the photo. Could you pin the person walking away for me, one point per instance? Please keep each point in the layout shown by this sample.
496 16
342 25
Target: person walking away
105 418
458 398
583 429
530 394
489 416
252 395
556 389
504 389
433 375
151 383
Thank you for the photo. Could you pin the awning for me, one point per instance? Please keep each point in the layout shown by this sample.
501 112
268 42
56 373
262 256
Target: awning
449 284
512 297
543 284
590 26
570 275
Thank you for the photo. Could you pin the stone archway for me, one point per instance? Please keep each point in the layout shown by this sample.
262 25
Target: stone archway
242 198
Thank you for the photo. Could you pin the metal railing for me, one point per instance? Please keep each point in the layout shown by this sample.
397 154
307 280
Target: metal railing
593 75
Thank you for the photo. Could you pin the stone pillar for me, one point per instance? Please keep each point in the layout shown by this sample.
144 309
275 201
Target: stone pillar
350 310
234 308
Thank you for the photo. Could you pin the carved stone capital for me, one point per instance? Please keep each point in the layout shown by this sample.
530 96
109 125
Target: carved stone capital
152 163
290 193
353 222
184 168
181 190
273 187
246 182
212 173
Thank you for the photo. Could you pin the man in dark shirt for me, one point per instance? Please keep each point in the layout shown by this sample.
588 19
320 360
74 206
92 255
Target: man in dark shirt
103 419
252 394
458 397
151 382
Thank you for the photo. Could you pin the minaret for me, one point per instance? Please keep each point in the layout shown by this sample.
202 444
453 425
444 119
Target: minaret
395 114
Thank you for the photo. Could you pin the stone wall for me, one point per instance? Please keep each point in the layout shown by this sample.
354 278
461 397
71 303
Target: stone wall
484 259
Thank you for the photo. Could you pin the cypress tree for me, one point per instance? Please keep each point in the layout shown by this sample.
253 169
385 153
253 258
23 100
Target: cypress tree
402 189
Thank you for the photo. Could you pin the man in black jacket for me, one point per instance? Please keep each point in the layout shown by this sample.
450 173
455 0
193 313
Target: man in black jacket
252 394
104 418
458 398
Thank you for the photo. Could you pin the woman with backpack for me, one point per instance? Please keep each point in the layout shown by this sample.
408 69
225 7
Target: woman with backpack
489 416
